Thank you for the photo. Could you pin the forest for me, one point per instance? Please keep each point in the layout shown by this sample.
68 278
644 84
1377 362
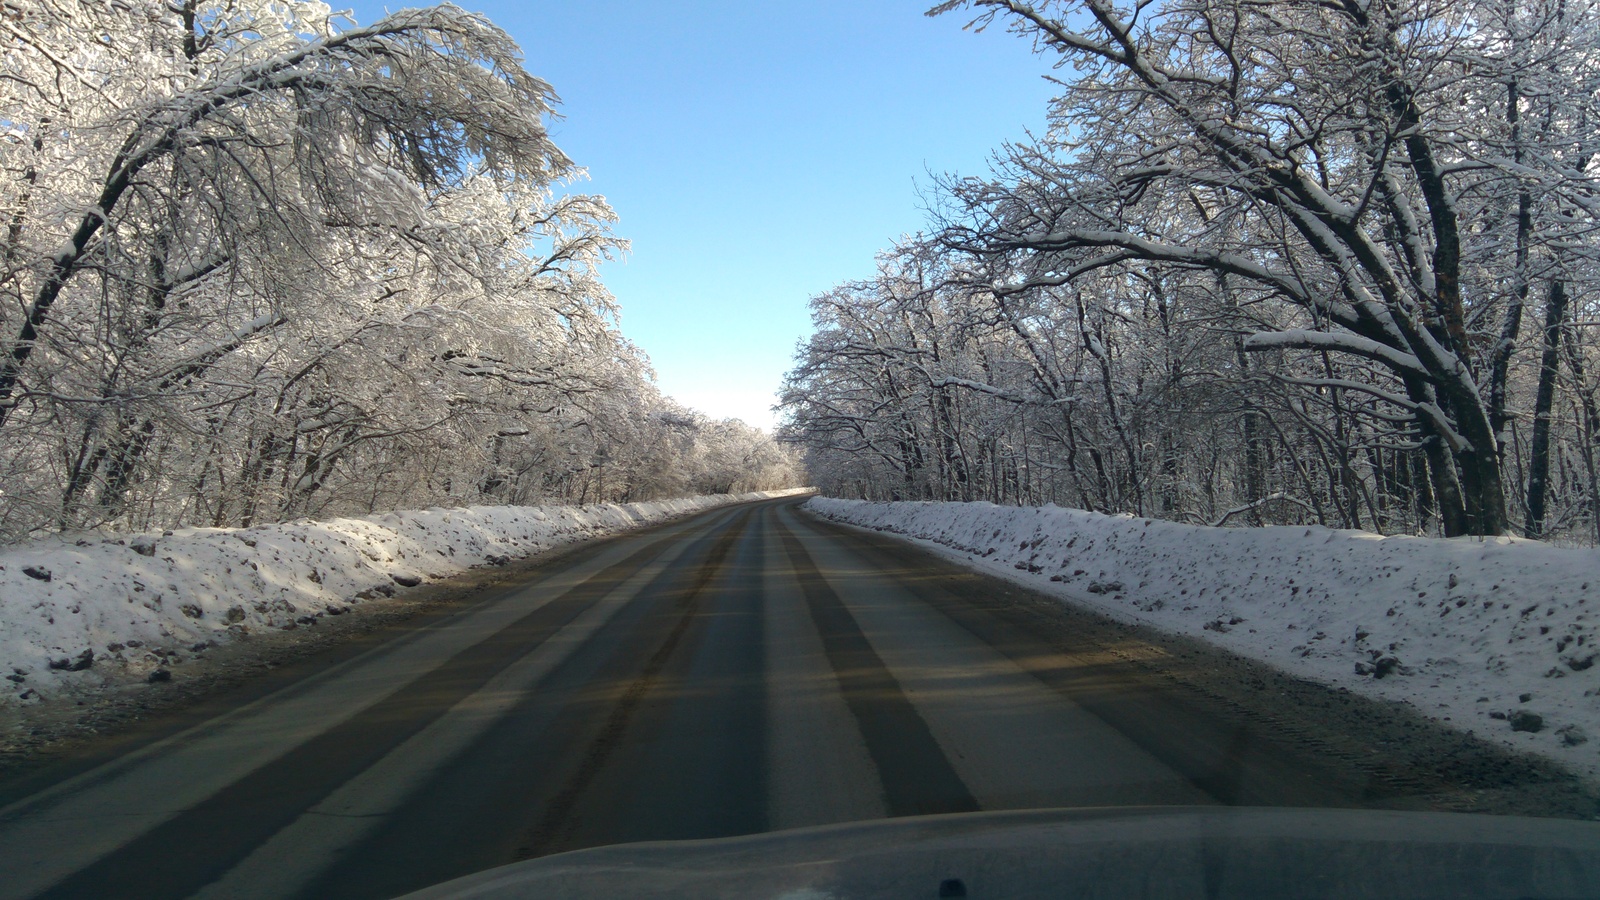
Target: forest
1312 261
261 262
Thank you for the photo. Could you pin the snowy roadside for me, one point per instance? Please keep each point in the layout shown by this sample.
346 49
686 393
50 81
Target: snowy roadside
79 612
1494 636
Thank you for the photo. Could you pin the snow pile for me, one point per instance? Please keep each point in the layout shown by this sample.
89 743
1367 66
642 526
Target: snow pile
75 612
1495 635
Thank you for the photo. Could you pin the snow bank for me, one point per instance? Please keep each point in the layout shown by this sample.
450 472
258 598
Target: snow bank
75 611
1497 636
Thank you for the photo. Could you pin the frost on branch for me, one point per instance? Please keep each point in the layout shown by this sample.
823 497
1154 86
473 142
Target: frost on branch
262 262
1279 250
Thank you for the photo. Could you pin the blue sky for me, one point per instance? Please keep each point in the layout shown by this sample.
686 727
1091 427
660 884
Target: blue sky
759 153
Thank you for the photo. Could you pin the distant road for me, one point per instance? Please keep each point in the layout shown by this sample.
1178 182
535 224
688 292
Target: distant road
747 669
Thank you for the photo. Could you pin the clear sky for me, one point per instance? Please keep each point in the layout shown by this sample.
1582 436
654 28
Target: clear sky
760 152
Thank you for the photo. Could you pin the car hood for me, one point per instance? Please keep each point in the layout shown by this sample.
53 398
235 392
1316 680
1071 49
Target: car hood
1127 852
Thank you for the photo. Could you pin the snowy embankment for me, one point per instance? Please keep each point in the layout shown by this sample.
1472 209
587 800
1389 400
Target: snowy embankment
79 611
1497 636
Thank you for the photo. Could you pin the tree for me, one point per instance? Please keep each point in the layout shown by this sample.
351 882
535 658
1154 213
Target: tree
420 95
1334 155
263 263
1269 264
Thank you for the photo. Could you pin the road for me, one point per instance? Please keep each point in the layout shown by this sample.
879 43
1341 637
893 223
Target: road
748 669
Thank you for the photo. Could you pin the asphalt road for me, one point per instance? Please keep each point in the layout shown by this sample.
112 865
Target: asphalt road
744 670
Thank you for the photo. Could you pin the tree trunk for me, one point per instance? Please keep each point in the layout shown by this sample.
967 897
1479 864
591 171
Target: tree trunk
1590 432
1555 312
1500 359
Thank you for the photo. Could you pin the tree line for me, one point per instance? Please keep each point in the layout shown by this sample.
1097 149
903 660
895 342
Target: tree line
260 262
1327 261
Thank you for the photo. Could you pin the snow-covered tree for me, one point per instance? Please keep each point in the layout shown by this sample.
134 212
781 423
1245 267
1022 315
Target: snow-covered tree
1343 158
1270 262
262 262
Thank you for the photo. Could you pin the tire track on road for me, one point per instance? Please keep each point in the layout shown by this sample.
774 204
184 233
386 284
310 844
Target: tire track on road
917 778
1208 739
183 854
556 824
472 811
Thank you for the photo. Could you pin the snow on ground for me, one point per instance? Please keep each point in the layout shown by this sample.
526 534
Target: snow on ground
1498 636
76 610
